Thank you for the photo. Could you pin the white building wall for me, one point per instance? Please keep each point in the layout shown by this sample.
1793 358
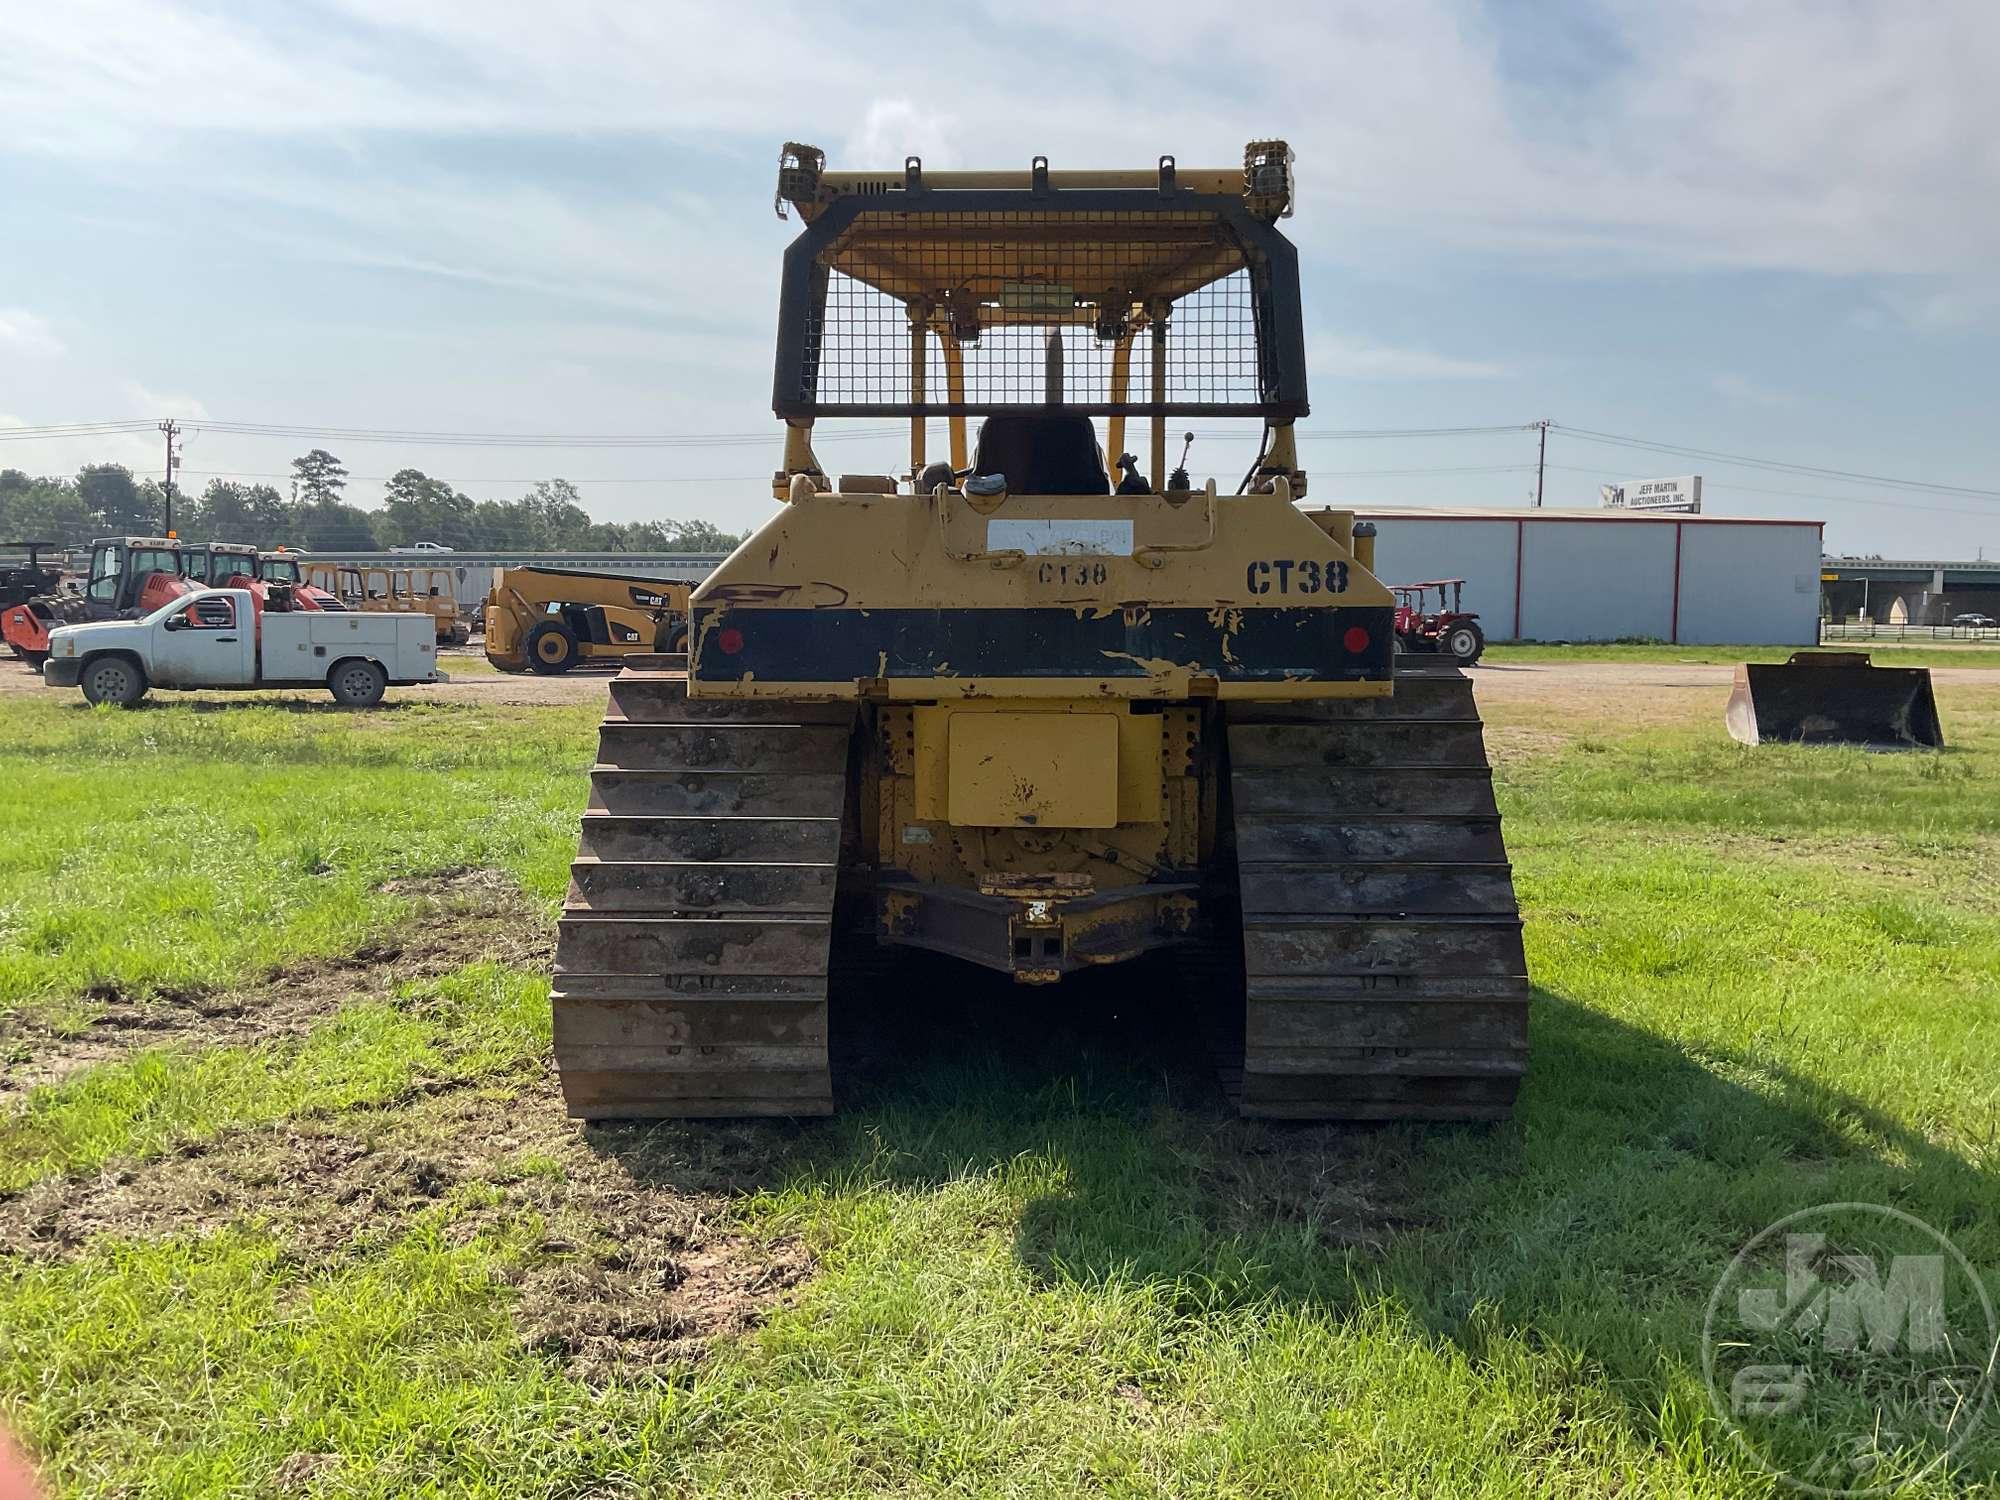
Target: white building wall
1749 585
1597 581
1481 552
1585 577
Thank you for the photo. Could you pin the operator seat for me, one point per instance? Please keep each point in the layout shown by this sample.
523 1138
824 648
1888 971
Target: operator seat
1042 453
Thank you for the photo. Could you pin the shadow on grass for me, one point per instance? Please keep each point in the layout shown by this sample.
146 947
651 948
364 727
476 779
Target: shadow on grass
1597 1221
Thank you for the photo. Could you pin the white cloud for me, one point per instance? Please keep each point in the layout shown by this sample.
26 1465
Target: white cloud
26 333
434 140
1789 134
1357 359
148 403
1747 392
1952 307
896 128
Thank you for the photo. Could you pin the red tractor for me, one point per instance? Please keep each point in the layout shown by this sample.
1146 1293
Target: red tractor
233 565
215 565
283 566
1447 628
129 576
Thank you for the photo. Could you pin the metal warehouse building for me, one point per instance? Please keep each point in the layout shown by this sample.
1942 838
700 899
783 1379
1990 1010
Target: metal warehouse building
1553 575
1535 575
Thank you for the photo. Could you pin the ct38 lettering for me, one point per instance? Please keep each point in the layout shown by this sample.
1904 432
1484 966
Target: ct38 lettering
1072 572
1304 575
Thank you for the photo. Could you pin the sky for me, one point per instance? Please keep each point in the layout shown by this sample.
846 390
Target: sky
1766 230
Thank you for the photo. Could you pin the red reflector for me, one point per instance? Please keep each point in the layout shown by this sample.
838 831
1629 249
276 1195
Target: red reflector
729 641
1356 640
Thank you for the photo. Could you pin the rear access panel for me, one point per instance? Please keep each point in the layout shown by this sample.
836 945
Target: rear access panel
1033 770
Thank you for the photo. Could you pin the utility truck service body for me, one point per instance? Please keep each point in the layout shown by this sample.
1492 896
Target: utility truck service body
221 638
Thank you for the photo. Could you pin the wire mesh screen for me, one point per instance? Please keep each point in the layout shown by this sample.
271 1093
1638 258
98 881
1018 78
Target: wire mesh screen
1024 310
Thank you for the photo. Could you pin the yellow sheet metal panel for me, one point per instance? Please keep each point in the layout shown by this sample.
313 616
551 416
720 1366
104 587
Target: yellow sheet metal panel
1140 746
1011 770
932 759
1139 772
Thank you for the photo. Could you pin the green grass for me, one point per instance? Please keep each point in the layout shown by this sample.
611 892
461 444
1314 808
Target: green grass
1048 1263
479 1021
1891 653
189 844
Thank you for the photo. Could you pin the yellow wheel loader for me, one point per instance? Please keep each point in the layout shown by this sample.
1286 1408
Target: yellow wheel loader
551 619
1012 707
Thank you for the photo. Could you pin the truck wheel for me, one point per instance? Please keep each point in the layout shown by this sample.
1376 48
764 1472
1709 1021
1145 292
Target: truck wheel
551 647
357 684
113 680
1465 642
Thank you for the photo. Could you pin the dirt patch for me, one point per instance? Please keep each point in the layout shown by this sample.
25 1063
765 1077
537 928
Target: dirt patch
524 689
631 1268
474 686
1535 708
460 917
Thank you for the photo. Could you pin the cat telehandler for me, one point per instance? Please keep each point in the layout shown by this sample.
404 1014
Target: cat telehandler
552 619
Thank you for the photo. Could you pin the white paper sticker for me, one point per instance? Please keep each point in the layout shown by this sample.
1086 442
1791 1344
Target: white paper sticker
1059 538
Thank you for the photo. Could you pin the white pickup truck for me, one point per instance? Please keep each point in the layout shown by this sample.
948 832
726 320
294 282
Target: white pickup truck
220 638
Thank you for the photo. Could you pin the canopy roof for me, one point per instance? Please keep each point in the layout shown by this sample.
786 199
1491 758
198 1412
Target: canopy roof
1189 262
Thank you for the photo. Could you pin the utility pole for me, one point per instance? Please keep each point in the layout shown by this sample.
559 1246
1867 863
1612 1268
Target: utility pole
172 430
1541 459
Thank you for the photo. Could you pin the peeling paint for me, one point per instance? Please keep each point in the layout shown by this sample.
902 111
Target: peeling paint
818 595
1151 664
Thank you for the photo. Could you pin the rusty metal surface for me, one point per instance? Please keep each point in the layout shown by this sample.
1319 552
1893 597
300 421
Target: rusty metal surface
1384 975
692 955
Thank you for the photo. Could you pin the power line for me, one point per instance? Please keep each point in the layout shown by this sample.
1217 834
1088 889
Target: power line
1753 489
668 441
764 478
303 432
1847 476
52 431
769 437
1401 432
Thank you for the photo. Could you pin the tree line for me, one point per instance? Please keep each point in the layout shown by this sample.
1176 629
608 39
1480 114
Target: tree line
106 500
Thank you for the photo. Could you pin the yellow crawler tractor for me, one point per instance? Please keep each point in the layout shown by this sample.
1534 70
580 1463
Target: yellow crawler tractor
1018 708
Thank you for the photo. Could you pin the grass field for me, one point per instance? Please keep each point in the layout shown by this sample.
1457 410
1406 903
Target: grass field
287 1203
1887 653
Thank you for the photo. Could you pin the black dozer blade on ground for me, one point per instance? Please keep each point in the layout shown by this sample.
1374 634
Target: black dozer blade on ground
1834 698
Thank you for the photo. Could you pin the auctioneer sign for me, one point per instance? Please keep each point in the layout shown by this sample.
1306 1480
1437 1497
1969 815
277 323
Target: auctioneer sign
1654 494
